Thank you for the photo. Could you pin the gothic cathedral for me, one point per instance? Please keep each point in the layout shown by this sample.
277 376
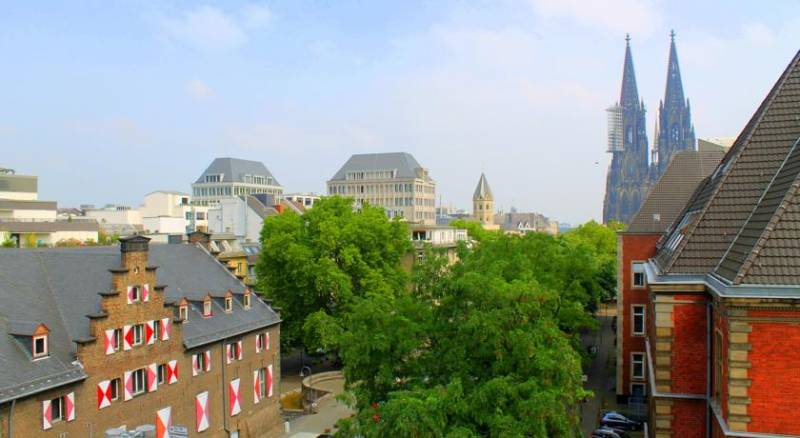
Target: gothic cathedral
631 174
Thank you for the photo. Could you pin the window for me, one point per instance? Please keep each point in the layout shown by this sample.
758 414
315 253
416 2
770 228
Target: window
637 315
207 307
39 346
638 275
114 388
162 374
229 302
233 351
200 358
638 390
261 341
246 300
262 383
117 339
138 381
135 295
157 330
183 312
138 334
637 365
57 412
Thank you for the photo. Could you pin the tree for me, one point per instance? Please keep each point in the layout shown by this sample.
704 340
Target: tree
477 350
601 240
314 266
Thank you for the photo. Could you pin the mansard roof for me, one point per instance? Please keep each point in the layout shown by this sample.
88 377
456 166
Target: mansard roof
666 200
234 170
737 224
60 287
404 163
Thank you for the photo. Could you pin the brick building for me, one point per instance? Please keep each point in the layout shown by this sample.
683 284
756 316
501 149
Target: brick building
105 337
723 315
635 246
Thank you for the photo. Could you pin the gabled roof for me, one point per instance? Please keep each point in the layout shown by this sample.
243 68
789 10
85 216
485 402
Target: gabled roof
234 170
667 198
59 287
482 191
739 202
404 163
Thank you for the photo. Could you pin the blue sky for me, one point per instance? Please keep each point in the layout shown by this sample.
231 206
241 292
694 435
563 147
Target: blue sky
108 100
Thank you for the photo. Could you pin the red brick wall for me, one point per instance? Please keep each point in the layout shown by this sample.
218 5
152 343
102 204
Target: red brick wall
775 373
690 418
721 326
689 346
635 247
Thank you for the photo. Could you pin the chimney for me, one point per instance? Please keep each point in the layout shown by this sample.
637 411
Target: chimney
134 251
200 237
278 208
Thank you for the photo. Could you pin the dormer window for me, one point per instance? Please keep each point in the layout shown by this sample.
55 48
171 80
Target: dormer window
246 300
207 307
40 346
183 312
228 304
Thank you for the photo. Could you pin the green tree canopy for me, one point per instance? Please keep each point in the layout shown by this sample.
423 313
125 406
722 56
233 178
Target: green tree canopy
315 265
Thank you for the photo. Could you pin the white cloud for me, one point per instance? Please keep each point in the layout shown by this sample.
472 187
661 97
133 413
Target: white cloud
639 17
199 89
210 28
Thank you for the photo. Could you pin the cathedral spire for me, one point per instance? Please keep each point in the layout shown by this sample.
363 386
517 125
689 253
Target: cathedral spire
674 93
630 93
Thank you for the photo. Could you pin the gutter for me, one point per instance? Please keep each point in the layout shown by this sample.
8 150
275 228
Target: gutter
727 432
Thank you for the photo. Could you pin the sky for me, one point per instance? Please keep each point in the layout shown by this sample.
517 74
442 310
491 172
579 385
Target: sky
108 100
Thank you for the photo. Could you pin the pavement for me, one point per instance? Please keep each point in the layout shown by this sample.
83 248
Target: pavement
601 371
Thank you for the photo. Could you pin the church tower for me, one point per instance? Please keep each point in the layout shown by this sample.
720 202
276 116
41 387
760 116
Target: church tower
628 177
674 130
483 203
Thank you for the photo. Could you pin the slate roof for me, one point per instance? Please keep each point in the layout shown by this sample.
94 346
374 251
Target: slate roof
405 164
667 198
234 169
60 287
742 216
482 191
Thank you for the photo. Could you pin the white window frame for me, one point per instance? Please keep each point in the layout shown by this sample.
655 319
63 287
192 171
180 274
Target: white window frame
138 377
228 305
161 374
117 339
57 403
207 308
633 367
633 319
157 330
44 352
138 334
114 388
183 312
262 383
234 351
201 362
246 300
634 272
136 294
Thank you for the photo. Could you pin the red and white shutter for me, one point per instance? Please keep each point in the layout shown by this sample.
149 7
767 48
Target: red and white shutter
165 329
128 384
256 387
145 292
47 415
69 406
201 411
208 360
195 365
240 350
266 337
172 371
228 353
269 381
163 422
149 329
152 377
234 398
127 337
130 294
104 394
108 341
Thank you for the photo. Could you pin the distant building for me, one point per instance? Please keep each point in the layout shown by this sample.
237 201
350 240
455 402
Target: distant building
29 222
394 181
523 223
483 204
439 237
163 213
243 216
232 177
307 200
121 220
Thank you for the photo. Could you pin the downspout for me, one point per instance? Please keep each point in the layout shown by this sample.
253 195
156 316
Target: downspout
709 332
10 417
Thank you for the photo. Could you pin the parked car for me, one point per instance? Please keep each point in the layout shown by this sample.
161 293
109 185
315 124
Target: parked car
621 432
604 433
617 420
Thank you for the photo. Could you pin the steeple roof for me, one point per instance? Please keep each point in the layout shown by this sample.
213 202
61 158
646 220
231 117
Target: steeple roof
674 92
483 192
630 93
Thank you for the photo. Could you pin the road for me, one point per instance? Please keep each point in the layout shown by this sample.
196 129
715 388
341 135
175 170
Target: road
602 376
